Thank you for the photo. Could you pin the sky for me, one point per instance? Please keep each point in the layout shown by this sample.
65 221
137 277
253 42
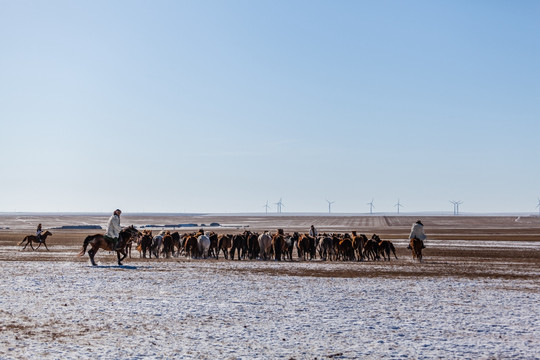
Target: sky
223 106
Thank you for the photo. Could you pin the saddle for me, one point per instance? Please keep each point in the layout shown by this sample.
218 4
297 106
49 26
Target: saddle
111 241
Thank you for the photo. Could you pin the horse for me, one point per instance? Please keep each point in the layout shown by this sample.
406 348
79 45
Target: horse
157 241
303 246
213 244
238 245
277 244
224 244
371 248
326 248
358 245
98 241
191 246
167 245
203 244
416 248
33 239
265 244
346 249
176 243
385 247
289 245
252 242
146 244
312 247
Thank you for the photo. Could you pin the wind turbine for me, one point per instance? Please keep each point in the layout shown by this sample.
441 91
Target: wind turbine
371 206
538 206
330 205
279 205
398 205
266 206
456 206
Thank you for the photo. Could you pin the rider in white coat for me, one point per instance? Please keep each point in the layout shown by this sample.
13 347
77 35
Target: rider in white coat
417 232
113 227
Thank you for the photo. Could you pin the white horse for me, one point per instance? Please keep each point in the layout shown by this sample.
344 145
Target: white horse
157 242
203 243
265 245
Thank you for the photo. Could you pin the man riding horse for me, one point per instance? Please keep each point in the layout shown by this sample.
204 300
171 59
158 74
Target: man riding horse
113 229
417 232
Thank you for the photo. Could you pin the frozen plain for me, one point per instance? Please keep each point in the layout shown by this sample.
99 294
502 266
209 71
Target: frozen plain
244 310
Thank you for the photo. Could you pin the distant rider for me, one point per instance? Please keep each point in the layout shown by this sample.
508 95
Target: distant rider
38 233
114 228
417 232
313 232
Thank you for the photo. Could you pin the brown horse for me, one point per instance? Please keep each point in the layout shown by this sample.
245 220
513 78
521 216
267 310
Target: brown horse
145 244
224 244
33 239
358 245
385 248
416 247
277 244
303 246
190 246
98 241
346 250
168 247
371 248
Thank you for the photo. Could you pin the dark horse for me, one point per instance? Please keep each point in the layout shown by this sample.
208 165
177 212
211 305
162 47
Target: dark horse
98 242
145 244
33 238
416 247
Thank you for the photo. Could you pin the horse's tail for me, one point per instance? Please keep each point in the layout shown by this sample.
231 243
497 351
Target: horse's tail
23 240
85 244
393 249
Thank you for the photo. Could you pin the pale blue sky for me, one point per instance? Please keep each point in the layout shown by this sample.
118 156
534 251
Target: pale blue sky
219 106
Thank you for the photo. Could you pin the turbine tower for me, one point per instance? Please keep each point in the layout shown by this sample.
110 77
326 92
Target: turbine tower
279 205
398 205
538 206
371 206
456 206
330 205
266 206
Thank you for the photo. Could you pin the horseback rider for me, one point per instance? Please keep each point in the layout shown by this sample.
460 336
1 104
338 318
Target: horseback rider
313 232
417 232
38 233
113 228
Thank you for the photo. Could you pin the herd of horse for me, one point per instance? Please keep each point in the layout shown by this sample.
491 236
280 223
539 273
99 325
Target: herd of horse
248 245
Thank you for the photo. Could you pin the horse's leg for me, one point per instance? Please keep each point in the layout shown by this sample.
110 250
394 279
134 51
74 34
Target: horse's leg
91 254
45 244
120 258
27 242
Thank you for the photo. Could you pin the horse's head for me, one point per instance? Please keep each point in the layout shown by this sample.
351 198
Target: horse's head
47 233
130 232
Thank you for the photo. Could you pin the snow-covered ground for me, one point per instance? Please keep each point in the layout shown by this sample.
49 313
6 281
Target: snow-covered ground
246 310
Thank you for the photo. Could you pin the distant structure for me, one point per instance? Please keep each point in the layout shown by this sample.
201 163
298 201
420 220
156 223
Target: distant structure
266 206
456 206
371 206
279 205
330 205
538 206
398 205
